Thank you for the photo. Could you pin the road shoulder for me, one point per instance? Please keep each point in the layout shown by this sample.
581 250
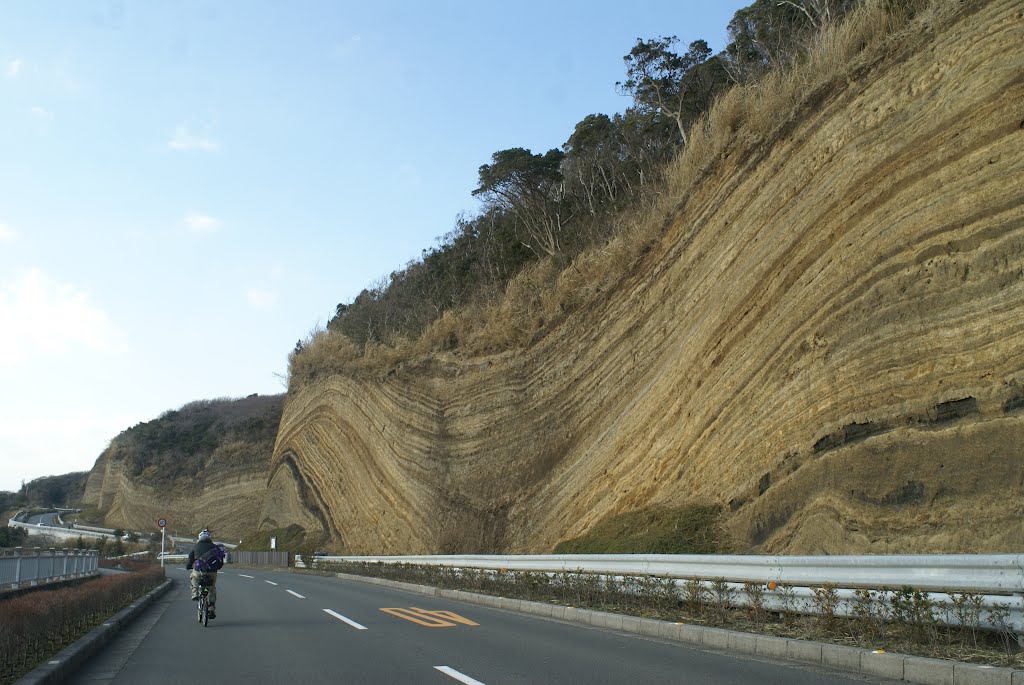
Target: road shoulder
72 657
866 662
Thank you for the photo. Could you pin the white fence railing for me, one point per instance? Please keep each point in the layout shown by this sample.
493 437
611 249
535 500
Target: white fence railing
789 582
60 533
27 567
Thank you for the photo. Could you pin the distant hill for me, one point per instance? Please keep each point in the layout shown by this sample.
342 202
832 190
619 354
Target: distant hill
204 464
49 491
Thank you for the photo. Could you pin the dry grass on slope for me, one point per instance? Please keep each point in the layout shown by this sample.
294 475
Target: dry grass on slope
741 125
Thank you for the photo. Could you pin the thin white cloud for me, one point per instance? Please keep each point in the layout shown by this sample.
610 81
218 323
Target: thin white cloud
261 298
30 447
183 139
411 175
42 113
13 67
347 46
201 223
7 234
39 315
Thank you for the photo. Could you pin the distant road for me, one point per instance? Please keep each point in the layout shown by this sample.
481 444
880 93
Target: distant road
47 519
275 627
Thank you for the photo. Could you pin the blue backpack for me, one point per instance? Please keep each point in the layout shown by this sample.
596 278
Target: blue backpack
211 561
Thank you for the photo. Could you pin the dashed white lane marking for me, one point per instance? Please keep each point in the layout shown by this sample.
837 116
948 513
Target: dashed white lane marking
270 581
245 576
295 593
346 620
461 677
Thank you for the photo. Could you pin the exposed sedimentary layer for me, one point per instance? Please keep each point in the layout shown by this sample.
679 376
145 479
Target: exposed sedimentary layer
828 340
204 465
228 502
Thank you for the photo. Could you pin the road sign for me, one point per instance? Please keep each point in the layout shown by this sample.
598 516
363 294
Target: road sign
162 522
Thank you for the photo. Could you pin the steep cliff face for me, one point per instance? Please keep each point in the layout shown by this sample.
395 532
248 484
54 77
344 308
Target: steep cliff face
828 340
203 465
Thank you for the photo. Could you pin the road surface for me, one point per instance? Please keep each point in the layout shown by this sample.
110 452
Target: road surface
275 626
47 519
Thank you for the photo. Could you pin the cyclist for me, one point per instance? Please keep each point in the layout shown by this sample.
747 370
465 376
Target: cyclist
204 544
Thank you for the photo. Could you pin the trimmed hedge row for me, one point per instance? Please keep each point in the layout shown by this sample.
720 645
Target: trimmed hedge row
38 624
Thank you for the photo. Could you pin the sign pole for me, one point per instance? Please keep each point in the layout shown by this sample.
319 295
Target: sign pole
163 536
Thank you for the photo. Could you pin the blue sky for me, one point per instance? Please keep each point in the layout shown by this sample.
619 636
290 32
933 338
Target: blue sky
187 188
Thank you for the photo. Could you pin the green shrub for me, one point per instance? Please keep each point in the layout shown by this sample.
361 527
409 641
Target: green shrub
289 539
692 529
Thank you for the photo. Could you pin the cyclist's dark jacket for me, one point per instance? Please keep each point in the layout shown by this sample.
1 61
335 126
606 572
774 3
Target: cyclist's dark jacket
201 548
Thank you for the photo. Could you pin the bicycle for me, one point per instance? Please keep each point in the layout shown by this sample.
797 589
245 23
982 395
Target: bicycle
204 583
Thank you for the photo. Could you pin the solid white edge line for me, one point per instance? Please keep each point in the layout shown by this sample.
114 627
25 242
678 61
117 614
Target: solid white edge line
461 677
290 592
270 581
245 576
349 621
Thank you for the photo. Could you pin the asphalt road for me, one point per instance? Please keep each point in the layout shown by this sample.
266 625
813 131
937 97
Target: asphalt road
47 519
276 627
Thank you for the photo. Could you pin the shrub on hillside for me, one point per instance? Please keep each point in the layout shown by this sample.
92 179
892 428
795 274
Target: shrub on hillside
12 537
656 530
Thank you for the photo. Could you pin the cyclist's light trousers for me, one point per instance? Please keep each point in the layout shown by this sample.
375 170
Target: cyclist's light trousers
193 581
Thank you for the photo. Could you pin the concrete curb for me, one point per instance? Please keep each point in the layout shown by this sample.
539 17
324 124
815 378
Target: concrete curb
911 669
65 663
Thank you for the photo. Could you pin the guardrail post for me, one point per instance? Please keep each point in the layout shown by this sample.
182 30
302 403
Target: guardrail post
1020 601
17 567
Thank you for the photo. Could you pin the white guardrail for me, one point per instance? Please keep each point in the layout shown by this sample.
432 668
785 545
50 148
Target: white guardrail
60 533
78 530
788 582
28 567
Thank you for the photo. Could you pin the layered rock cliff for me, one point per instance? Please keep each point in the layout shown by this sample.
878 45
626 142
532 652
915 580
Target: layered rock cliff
204 465
827 340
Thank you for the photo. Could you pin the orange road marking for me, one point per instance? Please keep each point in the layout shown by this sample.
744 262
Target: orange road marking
449 615
429 619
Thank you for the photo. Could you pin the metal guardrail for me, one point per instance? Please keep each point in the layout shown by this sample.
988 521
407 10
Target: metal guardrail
268 559
230 558
94 529
984 573
788 582
172 557
61 533
28 567
75 530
